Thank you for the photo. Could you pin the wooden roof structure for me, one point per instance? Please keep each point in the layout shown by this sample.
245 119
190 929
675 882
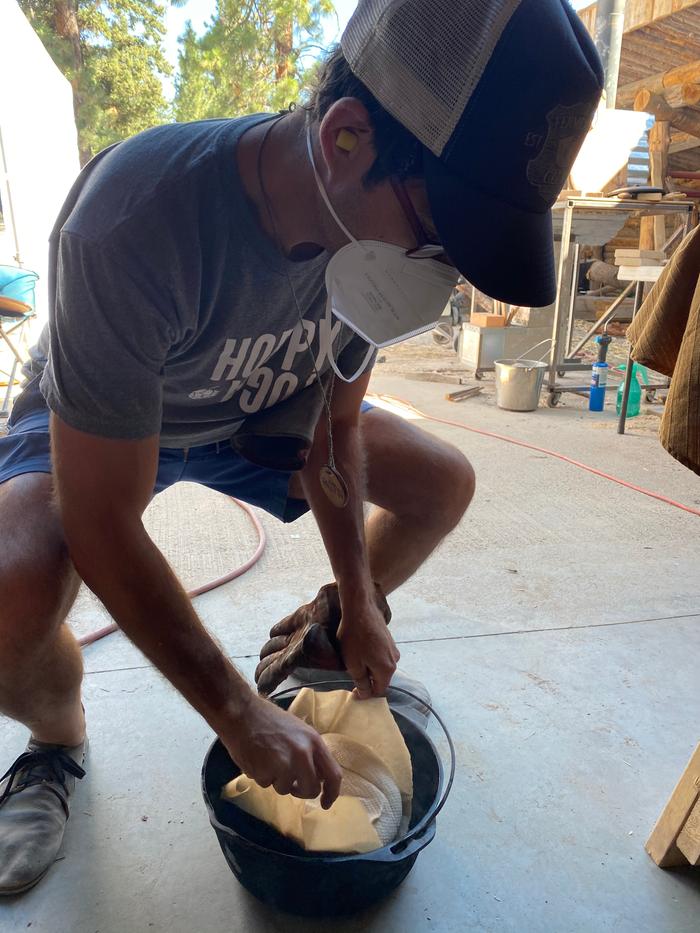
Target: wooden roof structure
658 35
660 70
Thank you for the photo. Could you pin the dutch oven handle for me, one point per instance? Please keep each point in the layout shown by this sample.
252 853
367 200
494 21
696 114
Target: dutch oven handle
420 835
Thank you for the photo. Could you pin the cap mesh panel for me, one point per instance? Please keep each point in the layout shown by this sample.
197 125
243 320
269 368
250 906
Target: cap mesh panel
422 59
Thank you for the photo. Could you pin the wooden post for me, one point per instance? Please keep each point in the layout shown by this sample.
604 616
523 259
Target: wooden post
652 233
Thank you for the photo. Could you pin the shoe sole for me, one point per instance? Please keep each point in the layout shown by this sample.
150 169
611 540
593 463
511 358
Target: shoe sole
9 892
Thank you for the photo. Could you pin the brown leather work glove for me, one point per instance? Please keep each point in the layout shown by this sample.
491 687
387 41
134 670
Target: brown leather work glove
307 638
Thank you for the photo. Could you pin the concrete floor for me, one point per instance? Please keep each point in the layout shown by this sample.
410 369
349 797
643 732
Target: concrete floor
558 630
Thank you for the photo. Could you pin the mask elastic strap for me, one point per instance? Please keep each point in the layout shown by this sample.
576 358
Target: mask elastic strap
331 358
322 189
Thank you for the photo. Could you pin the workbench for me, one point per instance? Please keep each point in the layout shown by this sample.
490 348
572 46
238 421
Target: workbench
588 221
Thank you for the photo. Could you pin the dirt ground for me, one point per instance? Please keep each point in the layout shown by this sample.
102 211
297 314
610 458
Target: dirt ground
423 353
423 359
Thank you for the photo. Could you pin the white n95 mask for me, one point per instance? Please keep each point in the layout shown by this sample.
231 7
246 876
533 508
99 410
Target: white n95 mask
378 291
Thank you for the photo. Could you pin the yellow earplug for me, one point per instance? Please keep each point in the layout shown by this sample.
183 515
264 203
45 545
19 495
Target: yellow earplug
346 140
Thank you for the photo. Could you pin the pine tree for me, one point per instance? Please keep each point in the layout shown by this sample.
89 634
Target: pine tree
250 58
111 52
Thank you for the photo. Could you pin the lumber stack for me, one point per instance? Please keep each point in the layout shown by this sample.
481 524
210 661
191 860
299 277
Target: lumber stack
675 840
641 260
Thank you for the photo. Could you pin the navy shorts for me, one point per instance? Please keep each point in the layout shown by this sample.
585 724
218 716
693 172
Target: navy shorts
26 449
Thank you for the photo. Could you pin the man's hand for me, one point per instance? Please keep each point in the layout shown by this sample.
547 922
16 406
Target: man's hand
308 638
369 652
275 748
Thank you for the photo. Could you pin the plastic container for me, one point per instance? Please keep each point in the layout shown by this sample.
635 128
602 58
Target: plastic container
519 383
285 876
635 396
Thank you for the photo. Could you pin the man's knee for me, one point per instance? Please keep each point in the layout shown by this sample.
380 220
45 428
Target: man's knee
413 472
35 588
454 486
37 579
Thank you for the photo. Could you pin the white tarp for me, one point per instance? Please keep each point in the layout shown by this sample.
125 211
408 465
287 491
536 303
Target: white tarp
39 141
607 147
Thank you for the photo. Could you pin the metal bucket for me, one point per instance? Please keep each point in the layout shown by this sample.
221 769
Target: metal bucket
518 384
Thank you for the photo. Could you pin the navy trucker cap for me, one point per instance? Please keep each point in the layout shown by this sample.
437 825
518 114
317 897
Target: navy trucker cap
501 94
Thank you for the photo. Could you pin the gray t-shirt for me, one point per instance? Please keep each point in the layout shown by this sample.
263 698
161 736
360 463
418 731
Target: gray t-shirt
173 312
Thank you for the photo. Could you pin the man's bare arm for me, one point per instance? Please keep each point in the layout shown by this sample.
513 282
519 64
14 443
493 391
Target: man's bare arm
369 651
104 486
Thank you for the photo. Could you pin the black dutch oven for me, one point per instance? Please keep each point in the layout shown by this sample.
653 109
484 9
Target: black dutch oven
285 876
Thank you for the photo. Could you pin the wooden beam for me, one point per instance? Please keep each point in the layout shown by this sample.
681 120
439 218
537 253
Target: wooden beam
680 142
588 16
638 13
652 232
682 95
683 119
603 272
689 837
661 845
682 74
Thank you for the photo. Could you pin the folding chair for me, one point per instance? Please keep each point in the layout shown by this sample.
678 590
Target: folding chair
16 308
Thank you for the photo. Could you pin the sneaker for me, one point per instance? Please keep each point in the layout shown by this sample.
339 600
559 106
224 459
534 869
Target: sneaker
34 810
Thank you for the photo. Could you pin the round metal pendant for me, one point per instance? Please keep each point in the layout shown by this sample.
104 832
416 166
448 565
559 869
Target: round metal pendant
334 486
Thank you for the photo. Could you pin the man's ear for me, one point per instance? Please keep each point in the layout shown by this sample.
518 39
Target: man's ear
347 141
